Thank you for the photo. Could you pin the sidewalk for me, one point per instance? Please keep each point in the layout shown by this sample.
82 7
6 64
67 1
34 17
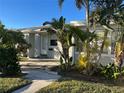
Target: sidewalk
40 79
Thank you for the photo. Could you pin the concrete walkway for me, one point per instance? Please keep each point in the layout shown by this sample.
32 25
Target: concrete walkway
40 79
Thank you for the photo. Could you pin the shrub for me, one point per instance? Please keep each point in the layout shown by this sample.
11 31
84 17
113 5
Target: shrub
81 64
9 61
85 67
110 71
64 67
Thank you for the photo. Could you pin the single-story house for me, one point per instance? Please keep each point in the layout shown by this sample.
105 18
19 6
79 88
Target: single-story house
44 44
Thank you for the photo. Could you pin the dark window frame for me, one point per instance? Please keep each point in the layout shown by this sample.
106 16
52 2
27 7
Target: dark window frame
53 42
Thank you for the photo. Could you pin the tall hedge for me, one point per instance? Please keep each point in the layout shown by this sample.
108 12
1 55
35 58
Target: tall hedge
9 64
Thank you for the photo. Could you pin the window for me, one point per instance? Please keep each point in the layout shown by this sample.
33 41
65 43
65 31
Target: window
53 42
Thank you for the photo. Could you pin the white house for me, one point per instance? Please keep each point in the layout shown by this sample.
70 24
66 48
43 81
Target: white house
44 44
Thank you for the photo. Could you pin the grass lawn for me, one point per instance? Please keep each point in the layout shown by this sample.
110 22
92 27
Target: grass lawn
7 85
69 85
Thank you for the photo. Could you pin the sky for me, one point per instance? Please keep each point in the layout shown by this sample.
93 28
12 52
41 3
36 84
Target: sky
29 13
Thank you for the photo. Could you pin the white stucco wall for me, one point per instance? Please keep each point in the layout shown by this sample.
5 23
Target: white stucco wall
52 50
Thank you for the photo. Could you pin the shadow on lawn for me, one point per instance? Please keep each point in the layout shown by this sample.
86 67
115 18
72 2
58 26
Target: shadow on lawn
74 75
13 76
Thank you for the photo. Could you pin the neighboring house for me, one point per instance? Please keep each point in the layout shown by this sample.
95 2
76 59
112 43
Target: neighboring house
44 44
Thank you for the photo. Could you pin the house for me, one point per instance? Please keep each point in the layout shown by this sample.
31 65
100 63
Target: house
44 44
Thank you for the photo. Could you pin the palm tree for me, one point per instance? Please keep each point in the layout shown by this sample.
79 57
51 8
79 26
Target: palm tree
80 4
64 37
86 4
104 12
104 9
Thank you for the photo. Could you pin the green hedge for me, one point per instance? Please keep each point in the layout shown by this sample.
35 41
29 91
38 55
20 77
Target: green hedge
9 64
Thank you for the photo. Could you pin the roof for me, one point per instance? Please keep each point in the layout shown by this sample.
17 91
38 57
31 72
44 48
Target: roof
77 23
39 29
80 24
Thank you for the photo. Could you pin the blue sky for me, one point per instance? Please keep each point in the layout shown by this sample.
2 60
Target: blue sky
28 13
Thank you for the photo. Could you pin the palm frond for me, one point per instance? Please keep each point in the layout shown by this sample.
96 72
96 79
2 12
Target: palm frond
79 3
60 3
82 35
46 23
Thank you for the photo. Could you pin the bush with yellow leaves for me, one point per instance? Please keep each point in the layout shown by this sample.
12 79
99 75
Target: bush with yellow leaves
83 66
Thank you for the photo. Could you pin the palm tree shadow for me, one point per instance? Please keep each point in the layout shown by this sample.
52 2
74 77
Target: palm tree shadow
93 79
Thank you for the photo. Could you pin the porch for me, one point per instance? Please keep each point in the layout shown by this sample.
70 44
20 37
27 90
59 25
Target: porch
43 44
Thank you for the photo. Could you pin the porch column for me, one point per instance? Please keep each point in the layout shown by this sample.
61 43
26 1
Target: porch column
39 45
46 43
32 42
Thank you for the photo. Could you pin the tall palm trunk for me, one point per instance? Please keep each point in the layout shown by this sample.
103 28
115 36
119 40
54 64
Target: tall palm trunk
122 39
119 47
87 14
87 27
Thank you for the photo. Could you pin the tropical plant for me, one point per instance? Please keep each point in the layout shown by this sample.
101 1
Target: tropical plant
87 47
80 4
119 20
110 71
85 67
64 34
103 12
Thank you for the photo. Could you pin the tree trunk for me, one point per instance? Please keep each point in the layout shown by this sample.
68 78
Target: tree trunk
87 27
122 38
